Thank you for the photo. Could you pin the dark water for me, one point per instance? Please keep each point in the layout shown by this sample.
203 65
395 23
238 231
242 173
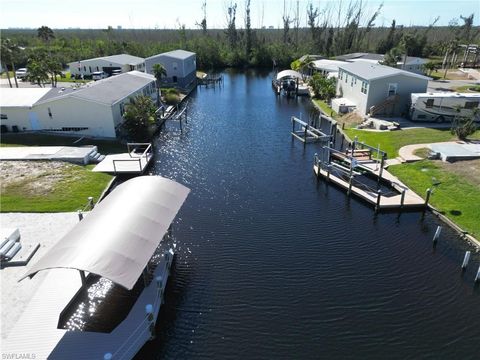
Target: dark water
273 265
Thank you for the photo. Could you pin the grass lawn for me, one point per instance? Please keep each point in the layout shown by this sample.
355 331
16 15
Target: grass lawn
325 108
456 197
452 74
468 88
30 139
63 188
392 141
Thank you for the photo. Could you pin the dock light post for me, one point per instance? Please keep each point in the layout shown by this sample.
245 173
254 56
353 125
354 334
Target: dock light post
379 196
80 215
90 202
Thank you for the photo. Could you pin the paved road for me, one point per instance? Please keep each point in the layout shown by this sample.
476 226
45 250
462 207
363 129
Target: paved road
447 85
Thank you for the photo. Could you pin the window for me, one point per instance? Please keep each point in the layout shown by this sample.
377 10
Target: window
3 117
471 104
50 112
346 78
351 82
85 68
429 103
340 75
364 87
98 69
175 65
122 109
90 68
175 79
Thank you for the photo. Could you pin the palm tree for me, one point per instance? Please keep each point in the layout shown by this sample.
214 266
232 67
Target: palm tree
8 53
139 116
159 72
45 33
407 43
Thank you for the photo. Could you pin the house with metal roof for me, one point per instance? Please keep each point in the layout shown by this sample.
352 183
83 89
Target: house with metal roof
95 109
376 89
107 64
412 63
180 65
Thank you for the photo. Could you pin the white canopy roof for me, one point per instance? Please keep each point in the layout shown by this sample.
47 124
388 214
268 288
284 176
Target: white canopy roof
118 237
288 73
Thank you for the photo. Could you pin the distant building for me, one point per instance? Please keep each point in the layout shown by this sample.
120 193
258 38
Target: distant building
123 62
95 109
413 64
326 67
376 89
180 65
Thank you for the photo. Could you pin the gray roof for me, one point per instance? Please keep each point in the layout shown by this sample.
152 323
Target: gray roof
118 237
370 71
107 91
124 59
360 55
178 54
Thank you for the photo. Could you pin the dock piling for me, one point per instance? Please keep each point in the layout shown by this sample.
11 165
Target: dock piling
379 196
437 234
429 192
402 199
477 277
80 215
350 185
90 202
466 259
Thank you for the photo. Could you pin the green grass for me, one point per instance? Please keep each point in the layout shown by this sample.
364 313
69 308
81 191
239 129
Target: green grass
68 194
392 141
11 73
29 139
468 88
454 197
325 108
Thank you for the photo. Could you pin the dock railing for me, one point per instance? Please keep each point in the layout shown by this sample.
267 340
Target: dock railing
136 156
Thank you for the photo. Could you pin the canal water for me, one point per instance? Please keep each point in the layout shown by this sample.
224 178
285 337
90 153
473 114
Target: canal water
272 264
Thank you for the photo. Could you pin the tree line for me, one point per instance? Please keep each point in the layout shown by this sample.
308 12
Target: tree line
330 32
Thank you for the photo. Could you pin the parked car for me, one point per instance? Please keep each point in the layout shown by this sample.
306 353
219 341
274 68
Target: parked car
99 75
21 73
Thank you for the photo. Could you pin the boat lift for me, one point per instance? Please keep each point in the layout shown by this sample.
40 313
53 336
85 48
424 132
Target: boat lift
307 133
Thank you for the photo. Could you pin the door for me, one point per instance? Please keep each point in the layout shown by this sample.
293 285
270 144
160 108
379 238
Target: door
392 89
34 123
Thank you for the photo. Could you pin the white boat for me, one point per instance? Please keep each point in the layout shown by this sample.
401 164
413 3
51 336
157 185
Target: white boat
116 249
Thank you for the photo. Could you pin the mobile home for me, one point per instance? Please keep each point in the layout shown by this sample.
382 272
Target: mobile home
444 106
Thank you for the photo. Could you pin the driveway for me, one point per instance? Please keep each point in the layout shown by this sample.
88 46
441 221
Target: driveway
447 85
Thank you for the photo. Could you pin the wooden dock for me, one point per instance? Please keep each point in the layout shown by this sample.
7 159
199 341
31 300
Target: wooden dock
134 161
405 199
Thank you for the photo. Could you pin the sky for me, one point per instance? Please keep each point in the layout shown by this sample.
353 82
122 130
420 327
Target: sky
171 14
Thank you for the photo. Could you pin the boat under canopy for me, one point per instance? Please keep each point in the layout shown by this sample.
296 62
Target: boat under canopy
118 237
288 74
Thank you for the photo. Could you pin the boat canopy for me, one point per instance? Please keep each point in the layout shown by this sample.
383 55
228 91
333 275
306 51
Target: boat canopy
119 236
288 74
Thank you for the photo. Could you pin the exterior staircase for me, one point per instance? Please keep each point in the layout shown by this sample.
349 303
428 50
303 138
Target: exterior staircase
384 105
94 157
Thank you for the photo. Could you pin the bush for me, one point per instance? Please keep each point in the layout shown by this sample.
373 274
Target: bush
463 127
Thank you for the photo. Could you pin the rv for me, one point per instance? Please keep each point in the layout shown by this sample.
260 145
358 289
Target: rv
444 106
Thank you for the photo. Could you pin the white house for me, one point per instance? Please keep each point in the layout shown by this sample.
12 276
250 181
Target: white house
123 62
376 89
326 67
180 65
412 64
94 110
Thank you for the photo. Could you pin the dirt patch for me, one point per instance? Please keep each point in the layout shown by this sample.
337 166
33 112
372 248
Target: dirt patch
468 169
352 118
34 177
